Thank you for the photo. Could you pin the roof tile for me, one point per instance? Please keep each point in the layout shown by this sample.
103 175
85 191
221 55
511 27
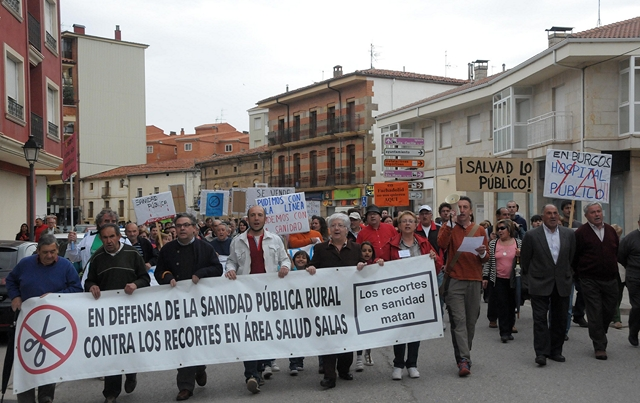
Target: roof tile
622 29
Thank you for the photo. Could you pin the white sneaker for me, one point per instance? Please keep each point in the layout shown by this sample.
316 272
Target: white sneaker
413 372
275 367
367 359
266 374
396 375
444 326
359 364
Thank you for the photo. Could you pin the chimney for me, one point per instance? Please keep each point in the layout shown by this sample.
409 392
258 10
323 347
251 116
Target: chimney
504 67
78 29
118 33
337 71
558 34
172 133
480 68
470 71
182 131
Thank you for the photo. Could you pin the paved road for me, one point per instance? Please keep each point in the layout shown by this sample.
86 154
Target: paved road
500 372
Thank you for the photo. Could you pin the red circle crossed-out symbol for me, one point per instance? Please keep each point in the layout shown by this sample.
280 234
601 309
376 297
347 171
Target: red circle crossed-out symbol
37 342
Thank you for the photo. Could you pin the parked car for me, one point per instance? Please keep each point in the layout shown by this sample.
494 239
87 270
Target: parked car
11 252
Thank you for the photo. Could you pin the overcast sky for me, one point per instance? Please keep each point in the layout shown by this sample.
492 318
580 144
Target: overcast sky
211 60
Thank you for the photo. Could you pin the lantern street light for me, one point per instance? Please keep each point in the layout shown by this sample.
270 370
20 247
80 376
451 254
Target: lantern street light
31 151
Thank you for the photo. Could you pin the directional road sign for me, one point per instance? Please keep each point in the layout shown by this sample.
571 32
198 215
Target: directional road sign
404 163
404 152
416 194
416 185
403 174
404 141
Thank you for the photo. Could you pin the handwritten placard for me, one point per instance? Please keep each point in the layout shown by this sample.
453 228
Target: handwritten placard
286 214
577 176
153 207
494 174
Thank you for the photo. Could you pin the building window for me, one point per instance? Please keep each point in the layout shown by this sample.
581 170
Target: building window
331 120
90 185
351 116
255 166
313 124
121 208
188 146
511 112
15 7
351 164
445 135
235 169
281 176
53 110
215 171
629 103
474 128
156 190
228 148
149 149
296 128
296 170
90 212
428 136
331 161
14 79
257 123
313 169
51 25
139 192
107 205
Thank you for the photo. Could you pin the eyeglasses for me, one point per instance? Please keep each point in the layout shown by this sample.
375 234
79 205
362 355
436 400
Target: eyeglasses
502 228
186 225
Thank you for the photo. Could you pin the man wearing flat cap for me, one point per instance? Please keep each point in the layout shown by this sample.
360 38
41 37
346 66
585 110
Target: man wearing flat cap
377 232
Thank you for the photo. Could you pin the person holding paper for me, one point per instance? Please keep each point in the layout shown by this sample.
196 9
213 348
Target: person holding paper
405 245
463 280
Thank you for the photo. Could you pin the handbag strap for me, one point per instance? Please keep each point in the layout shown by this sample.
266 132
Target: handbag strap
458 253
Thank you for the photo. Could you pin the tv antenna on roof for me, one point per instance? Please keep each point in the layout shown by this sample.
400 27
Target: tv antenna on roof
373 54
220 119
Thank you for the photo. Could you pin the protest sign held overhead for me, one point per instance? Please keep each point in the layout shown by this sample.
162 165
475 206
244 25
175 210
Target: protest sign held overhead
286 214
154 207
218 320
389 194
214 203
575 175
256 193
494 174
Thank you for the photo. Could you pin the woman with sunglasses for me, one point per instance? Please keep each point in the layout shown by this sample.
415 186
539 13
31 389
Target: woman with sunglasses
500 270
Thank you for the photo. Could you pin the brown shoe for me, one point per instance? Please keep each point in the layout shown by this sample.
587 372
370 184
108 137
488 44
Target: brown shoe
618 325
601 355
201 378
493 325
184 395
514 330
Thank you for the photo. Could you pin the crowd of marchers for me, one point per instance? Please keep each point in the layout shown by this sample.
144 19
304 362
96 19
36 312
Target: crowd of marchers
545 260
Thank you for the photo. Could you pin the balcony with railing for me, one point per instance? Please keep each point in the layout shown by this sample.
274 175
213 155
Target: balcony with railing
552 127
52 130
322 128
37 128
340 176
15 109
13 5
106 192
35 38
51 41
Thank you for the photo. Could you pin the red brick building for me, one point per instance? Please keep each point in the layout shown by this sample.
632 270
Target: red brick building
30 99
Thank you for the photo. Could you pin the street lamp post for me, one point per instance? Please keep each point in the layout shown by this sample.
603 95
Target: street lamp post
31 151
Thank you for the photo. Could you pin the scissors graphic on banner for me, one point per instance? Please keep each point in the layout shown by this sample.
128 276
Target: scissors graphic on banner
41 353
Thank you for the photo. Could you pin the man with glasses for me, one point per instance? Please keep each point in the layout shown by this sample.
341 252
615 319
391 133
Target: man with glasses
187 258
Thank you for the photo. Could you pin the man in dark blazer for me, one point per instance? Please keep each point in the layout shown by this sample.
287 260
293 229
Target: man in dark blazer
546 257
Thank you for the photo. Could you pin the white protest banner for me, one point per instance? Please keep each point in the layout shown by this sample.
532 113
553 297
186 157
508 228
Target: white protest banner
154 207
577 176
214 203
286 214
256 193
313 207
220 320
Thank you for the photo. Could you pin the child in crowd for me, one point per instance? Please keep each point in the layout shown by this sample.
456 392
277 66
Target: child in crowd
301 260
369 257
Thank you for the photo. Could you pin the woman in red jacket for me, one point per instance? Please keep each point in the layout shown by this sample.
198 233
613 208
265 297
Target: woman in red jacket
405 245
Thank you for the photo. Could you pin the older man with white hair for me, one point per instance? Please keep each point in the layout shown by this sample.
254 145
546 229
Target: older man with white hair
595 265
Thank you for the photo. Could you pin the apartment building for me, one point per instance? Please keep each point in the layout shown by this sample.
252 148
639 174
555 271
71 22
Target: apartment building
30 100
324 139
582 94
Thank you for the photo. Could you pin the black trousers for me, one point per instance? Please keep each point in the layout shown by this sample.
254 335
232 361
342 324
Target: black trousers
600 298
633 285
505 299
343 361
578 306
549 322
113 385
